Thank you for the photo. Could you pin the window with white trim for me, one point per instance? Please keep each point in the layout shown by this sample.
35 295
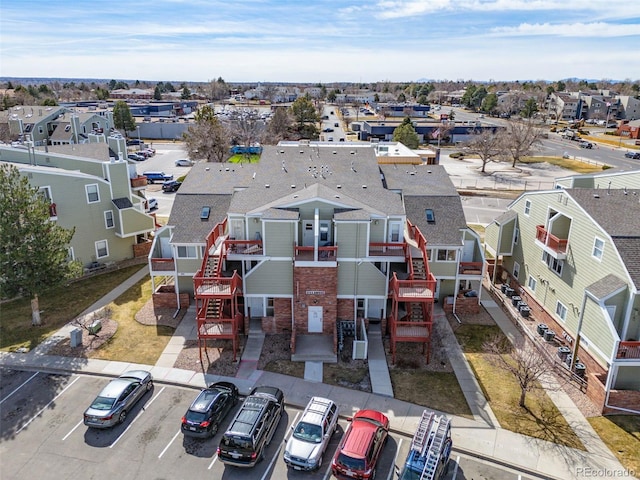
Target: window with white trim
445 255
45 193
598 248
516 269
71 256
187 251
108 219
532 283
553 263
527 207
561 311
92 193
102 249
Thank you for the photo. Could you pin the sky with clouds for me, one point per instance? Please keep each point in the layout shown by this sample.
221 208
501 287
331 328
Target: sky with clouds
321 41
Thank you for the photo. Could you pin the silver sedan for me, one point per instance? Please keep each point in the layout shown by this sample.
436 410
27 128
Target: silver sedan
111 406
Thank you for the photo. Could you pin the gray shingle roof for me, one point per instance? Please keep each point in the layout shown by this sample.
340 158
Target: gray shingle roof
449 218
185 216
418 180
606 286
616 212
121 203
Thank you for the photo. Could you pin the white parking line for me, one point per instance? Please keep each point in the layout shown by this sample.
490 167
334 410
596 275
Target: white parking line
215 457
73 429
169 444
395 461
267 473
455 469
27 381
136 418
44 408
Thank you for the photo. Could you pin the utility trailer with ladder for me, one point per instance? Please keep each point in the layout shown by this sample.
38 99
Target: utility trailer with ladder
428 458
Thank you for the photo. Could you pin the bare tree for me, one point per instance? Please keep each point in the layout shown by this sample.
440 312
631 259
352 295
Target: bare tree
279 127
207 138
519 139
525 363
247 127
487 146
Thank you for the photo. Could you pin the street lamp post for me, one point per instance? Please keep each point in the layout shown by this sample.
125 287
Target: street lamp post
138 129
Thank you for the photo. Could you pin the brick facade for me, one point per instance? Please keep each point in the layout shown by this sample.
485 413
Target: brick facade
165 297
315 287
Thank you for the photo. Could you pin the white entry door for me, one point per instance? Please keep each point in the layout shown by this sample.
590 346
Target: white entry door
314 319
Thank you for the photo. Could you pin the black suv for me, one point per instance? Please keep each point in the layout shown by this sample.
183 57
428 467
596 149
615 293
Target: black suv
171 186
252 429
209 409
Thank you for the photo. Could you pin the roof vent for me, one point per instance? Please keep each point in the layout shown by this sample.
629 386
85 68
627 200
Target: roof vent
293 186
364 186
334 152
281 151
301 151
295 196
207 169
266 185
596 195
338 186
352 152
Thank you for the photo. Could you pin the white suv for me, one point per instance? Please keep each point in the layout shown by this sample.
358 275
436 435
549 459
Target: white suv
311 434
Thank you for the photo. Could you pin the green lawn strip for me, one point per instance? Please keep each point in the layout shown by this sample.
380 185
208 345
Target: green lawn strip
59 306
438 390
134 342
541 419
621 433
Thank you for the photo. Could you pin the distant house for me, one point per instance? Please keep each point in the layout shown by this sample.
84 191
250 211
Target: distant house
574 256
88 189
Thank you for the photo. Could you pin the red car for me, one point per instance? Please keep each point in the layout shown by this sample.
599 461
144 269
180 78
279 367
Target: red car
360 447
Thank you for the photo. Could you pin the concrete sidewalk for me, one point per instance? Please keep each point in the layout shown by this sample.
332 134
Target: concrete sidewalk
481 436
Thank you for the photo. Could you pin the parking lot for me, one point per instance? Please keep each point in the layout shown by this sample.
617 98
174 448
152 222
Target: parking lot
43 436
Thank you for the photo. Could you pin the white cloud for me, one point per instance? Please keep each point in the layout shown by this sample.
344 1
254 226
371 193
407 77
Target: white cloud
599 29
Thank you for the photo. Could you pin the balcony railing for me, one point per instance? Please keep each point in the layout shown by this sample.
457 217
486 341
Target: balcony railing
243 247
139 182
380 249
413 289
470 268
557 244
628 350
163 264
217 286
307 254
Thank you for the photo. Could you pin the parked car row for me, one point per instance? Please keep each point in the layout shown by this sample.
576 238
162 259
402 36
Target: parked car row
244 442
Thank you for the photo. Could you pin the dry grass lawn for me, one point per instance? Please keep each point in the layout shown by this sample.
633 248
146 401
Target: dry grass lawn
59 306
438 390
134 342
621 433
540 419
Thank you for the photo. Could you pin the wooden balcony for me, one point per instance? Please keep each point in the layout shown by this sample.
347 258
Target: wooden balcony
381 249
219 287
416 290
243 247
139 182
410 331
470 268
163 265
628 350
556 244
307 254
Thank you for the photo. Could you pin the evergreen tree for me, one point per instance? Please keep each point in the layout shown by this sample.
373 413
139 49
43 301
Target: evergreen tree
122 118
33 249
406 134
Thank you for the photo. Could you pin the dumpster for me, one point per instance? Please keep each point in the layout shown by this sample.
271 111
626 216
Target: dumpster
579 368
549 335
515 299
542 328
